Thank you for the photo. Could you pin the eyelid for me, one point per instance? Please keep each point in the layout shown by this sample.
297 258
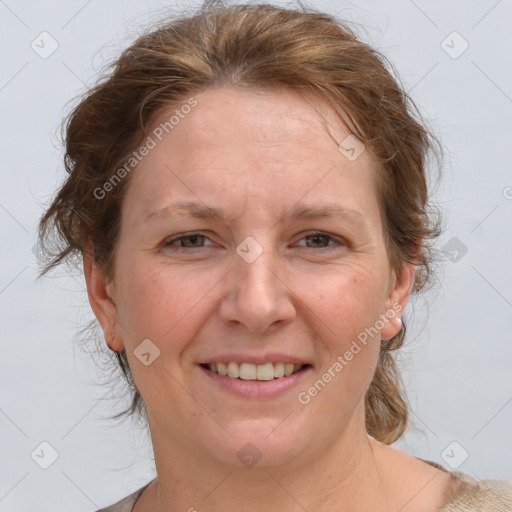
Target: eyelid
170 240
336 240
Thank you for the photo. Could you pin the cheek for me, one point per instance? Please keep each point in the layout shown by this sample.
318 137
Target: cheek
349 309
160 301
350 348
346 301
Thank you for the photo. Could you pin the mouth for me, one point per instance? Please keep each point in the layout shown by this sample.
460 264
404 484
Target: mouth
255 372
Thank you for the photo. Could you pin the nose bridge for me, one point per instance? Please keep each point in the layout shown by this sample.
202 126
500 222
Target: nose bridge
257 297
258 276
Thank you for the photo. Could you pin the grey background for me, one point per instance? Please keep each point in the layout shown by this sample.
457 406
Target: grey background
457 359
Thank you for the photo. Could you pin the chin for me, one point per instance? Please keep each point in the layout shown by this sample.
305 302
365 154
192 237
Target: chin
262 443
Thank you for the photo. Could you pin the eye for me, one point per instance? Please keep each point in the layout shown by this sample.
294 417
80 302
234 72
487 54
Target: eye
316 240
190 241
319 240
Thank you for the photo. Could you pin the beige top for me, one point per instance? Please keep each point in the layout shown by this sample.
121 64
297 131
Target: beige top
473 496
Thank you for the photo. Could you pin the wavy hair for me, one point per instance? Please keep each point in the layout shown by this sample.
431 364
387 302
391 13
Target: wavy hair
252 46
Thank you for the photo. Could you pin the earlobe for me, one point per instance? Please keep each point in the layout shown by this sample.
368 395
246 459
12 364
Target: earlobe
392 327
102 302
397 300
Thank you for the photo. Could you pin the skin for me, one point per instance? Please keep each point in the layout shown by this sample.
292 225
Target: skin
257 155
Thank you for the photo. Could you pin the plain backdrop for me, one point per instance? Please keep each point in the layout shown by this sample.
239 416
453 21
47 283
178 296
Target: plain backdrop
452 56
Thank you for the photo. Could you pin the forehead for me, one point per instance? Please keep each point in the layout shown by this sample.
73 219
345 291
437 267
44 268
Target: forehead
250 143
264 116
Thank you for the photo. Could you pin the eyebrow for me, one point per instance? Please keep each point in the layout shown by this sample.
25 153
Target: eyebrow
307 212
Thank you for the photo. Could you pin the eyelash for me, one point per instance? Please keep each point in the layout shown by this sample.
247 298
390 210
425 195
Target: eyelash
336 241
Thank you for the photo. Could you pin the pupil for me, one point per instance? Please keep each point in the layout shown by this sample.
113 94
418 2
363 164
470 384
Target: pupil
193 239
317 238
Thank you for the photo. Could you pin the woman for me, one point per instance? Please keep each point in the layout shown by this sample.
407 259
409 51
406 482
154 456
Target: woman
247 189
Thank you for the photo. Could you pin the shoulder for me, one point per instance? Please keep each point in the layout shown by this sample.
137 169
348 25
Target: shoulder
479 495
126 504
433 487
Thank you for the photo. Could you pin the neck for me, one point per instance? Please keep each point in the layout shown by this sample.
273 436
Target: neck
344 476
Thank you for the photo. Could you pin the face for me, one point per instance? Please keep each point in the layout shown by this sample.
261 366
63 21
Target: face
248 238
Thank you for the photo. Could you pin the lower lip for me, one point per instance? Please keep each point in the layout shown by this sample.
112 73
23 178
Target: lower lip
256 388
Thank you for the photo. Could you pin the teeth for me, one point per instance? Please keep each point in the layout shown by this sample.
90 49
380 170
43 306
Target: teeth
279 370
264 371
233 370
288 369
249 371
222 369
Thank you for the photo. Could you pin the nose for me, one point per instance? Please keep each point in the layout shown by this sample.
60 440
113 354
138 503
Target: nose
258 298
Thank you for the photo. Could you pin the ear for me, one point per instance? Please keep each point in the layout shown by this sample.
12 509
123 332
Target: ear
402 284
102 302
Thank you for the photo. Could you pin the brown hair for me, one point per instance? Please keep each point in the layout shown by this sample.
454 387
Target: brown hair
253 46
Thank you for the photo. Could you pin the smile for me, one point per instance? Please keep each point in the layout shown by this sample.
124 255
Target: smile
249 371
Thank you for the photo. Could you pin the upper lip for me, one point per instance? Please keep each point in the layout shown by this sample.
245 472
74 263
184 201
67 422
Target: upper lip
255 359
